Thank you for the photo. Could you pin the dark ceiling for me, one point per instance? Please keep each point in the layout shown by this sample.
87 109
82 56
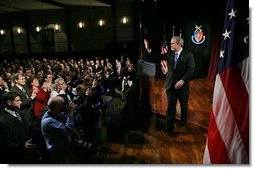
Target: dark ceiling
21 5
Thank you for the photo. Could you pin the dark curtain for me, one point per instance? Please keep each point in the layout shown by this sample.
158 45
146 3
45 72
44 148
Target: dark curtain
214 58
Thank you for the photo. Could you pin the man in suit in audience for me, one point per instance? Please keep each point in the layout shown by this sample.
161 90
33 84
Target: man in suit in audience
15 143
27 98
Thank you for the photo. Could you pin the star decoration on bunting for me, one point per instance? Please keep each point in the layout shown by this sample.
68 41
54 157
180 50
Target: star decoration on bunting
226 34
246 38
232 13
222 53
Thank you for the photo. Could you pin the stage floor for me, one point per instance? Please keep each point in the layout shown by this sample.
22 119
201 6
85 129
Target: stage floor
146 144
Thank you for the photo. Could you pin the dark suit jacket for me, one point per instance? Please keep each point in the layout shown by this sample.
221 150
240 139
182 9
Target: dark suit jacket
2 91
184 68
13 136
27 104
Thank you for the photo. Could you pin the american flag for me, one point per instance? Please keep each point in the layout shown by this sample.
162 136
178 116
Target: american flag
164 66
228 131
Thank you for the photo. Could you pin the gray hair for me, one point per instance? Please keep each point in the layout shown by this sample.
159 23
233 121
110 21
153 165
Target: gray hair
57 81
179 40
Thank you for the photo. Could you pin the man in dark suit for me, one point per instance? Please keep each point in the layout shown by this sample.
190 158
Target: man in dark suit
15 144
179 68
26 97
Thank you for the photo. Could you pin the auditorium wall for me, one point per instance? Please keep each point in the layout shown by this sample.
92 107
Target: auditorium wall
69 38
155 20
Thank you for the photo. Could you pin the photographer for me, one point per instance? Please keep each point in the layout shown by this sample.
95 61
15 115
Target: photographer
129 75
86 118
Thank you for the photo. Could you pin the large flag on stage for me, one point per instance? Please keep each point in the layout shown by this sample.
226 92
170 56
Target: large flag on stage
228 132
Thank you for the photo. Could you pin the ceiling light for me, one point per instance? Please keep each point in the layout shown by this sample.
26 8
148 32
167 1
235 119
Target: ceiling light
124 20
57 27
101 22
81 24
2 32
38 29
19 30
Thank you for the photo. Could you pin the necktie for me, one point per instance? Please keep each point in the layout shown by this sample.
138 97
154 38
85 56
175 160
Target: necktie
175 60
23 90
18 116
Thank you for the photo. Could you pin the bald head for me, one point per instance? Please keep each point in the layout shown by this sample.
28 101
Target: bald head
56 103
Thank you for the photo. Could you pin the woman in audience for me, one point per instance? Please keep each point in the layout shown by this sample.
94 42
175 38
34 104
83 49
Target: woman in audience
42 96
59 87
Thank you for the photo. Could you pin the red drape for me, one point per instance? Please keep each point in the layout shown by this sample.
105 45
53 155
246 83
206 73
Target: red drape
214 58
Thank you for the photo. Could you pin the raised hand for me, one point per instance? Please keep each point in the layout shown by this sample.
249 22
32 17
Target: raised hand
34 93
146 43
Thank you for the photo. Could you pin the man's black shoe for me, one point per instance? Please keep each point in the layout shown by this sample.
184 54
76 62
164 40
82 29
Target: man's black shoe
168 131
165 130
181 124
